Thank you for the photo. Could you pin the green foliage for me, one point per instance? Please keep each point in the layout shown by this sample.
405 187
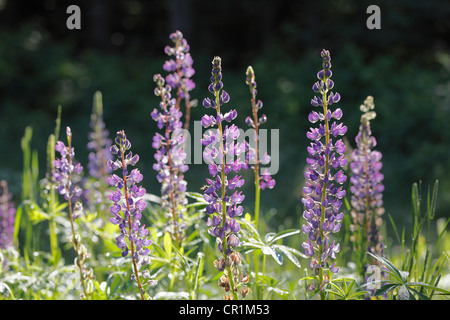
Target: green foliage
405 290
185 270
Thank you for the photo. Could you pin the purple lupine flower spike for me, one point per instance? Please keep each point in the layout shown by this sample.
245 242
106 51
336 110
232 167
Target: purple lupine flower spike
253 157
67 172
99 153
180 71
367 187
323 192
170 160
221 153
65 169
7 216
127 207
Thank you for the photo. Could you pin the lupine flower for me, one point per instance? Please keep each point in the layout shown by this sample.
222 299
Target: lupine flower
180 71
127 207
366 187
323 192
65 168
264 180
65 175
224 200
170 158
7 216
99 146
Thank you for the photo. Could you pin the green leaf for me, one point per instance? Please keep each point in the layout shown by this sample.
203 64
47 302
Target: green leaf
6 291
115 280
287 251
308 278
400 275
151 198
183 259
197 196
357 295
420 294
195 205
385 289
395 228
428 286
61 207
167 245
339 292
198 272
283 234
17 221
248 225
277 290
35 213
432 208
274 253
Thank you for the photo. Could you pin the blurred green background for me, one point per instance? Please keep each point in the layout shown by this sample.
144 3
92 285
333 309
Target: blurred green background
405 66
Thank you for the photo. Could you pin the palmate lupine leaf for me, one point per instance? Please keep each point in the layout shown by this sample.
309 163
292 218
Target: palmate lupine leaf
406 289
385 288
290 253
268 246
271 238
345 292
400 276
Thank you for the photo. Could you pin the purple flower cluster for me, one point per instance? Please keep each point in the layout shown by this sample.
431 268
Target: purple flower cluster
99 146
127 200
66 173
180 71
7 216
221 153
180 68
366 184
252 155
170 160
99 142
322 193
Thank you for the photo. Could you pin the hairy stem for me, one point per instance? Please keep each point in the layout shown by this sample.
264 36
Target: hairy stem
72 222
135 268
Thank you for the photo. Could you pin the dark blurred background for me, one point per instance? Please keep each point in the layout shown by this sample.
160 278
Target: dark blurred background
120 46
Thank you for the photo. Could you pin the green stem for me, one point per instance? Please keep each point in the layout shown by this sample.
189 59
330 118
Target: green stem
264 275
136 272
72 222
324 190
52 226
257 187
256 266
224 204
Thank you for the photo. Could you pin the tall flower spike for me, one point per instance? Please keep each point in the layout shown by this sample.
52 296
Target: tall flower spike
127 207
170 160
99 146
180 71
264 180
323 192
367 189
7 216
224 200
65 176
